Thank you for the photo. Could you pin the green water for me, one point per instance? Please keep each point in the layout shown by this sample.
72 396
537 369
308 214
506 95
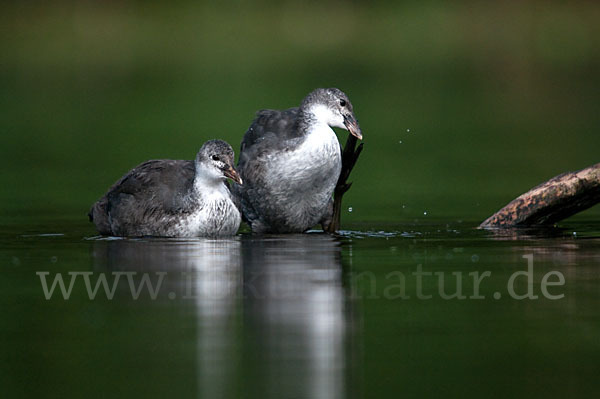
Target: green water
463 107
302 315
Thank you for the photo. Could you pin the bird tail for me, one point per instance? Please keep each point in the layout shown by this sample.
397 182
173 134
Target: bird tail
98 214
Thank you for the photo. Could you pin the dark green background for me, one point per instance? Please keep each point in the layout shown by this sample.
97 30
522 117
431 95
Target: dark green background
463 105
498 96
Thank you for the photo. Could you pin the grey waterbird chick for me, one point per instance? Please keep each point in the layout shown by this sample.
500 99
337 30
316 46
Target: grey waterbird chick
290 161
173 198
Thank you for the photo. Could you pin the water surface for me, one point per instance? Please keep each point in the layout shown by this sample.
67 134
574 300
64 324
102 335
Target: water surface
308 315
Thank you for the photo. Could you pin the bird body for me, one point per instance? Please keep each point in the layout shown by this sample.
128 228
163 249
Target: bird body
214 214
290 161
173 198
299 183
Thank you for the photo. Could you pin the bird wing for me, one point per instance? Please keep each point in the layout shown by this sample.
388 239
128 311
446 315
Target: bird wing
270 130
151 189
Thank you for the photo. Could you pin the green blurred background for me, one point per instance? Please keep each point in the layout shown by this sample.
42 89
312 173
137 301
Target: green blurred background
464 105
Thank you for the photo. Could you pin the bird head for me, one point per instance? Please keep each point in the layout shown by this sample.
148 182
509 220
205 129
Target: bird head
332 107
216 158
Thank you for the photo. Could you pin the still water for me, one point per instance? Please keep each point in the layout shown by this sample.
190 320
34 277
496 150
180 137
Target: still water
387 312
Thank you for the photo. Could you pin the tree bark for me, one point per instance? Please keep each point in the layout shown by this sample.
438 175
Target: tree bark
558 198
349 157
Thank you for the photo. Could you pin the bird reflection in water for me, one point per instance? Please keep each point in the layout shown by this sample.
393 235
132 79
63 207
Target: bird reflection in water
271 310
295 310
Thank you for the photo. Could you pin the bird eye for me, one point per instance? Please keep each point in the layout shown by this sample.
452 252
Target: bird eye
215 157
343 103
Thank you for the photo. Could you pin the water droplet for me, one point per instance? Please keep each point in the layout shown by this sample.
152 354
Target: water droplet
350 209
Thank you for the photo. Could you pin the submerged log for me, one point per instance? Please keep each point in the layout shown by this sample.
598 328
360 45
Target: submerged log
558 198
349 157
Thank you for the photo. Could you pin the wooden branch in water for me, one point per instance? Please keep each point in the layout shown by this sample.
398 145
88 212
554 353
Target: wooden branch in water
349 157
558 198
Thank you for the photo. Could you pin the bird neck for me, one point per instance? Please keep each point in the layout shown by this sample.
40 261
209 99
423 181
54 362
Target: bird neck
311 117
207 177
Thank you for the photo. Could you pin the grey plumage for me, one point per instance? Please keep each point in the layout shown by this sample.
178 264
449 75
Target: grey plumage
290 161
172 198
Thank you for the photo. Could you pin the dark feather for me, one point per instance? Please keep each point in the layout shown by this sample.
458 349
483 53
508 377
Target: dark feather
149 191
270 131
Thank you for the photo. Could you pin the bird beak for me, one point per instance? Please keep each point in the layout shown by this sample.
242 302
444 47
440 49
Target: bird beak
352 125
233 175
